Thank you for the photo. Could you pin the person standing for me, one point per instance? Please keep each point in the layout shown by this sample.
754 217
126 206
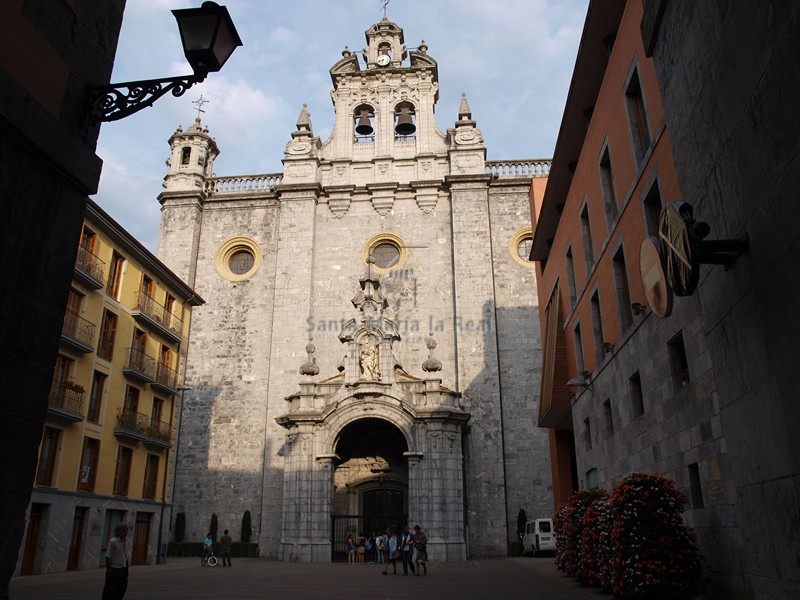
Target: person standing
351 550
117 561
391 551
421 548
226 542
406 546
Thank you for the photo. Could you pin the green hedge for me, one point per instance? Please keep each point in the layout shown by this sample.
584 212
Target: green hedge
238 549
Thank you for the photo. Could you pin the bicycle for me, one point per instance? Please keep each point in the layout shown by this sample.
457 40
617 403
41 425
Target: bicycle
210 560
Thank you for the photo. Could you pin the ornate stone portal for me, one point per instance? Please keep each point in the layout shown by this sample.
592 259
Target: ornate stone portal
373 441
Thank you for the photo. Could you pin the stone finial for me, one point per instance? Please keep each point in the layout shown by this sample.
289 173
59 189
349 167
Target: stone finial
464 112
346 52
432 364
423 47
310 366
304 120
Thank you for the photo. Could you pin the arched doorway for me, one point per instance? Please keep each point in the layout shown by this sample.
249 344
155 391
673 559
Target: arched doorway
370 481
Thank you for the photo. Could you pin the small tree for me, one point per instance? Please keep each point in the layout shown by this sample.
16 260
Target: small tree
213 527
247 529
595 567
654 554
522 519
568 525
180 527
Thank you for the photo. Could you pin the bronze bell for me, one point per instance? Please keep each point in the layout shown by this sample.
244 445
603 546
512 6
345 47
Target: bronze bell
405 123
364 127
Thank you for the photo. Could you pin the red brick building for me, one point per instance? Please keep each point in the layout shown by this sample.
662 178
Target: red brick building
680 102
612 172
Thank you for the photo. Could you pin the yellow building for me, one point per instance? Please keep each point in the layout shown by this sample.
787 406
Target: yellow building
106 450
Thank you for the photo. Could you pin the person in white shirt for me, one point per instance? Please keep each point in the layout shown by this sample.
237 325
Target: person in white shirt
117 561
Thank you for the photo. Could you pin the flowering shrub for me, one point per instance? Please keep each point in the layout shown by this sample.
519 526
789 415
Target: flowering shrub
654 554
568 526
595 567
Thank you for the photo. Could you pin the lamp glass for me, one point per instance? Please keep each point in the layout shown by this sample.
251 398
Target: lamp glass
208 36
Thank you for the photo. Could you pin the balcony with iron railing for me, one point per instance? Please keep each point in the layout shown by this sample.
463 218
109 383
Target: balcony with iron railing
151 314
166 379
89 269
140 366
138 427
66 401
77 332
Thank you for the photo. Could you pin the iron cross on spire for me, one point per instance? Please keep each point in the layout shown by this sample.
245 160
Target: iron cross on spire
199 105
385 4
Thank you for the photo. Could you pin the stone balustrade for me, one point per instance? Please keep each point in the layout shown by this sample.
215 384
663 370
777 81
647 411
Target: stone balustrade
244 184
534 167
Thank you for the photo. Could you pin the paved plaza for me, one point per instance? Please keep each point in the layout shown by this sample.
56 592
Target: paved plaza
486 579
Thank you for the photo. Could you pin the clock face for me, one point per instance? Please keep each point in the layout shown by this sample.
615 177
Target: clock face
383 60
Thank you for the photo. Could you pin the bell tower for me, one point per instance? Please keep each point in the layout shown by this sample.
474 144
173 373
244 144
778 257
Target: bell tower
385 111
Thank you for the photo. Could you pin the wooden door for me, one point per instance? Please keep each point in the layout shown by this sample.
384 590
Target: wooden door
76 541
141 539
31 540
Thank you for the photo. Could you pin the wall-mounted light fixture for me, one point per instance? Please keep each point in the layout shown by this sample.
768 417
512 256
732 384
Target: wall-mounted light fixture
608 347
638 309
208 37
584 381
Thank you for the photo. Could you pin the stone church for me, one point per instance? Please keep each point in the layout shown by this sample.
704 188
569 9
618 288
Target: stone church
368 353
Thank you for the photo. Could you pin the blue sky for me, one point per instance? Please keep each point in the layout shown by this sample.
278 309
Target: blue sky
513 59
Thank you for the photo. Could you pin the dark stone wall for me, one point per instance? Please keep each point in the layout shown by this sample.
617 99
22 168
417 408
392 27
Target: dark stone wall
47 170
730 80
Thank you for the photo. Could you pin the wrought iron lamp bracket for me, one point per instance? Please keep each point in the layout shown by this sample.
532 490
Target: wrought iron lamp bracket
118 100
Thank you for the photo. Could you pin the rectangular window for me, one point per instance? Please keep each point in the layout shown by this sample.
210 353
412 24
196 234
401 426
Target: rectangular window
622 289
122 474
636 395
88 474
608 186
571 278
678 362
587 433
579 363
597 328
48 452
651 207
169 304
637 117
592 479
96 397
61 374
158 410
609 417
131 399
150 477
108 332
115 275
147 286
88 239
694 486
588 245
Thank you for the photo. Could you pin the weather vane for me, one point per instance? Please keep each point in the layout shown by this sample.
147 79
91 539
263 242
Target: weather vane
199 104
385 4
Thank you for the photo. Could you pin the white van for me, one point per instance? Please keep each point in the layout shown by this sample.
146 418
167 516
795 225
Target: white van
539 537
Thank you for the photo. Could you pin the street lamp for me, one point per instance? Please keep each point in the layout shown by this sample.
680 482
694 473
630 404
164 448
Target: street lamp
208 37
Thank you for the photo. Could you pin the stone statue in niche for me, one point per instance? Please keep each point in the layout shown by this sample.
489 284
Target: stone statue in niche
369 362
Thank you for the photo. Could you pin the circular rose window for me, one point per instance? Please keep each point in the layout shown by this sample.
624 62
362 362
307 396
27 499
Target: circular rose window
238 259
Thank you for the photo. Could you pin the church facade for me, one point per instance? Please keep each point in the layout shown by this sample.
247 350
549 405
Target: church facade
369 350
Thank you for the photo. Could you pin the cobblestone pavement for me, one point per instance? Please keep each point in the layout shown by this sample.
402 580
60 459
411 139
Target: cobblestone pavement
486 579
